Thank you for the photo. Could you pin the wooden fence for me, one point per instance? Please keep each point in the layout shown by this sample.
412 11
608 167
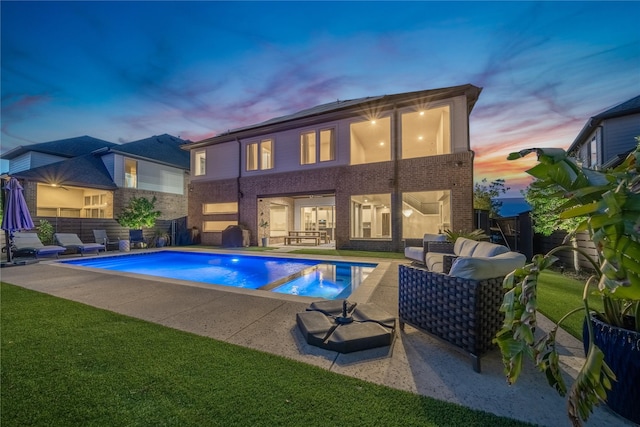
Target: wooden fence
543 244
84 227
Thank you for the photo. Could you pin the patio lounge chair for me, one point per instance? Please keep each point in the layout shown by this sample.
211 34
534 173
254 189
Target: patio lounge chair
458 302
30 244
137 239
72 241
102 238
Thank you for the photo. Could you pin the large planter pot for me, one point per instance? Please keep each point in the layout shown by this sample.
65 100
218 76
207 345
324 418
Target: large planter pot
124 245
265 242
621 348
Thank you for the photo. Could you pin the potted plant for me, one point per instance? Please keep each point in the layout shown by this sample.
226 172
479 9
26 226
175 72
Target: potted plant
609 202
264 224
139 213
45 232
476 234
160 238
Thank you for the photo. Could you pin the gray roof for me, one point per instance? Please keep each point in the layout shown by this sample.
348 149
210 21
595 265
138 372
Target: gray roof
158 148
82 171
70 147
632 106
344 108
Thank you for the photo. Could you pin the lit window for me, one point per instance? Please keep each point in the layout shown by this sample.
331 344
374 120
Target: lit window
201 163
426 133
266 148
209 226
425 212
308 148
130 173
371 216
265 160
370 141
327 145
252 157
220 208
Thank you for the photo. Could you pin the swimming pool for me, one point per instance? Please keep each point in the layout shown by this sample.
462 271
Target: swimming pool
293 276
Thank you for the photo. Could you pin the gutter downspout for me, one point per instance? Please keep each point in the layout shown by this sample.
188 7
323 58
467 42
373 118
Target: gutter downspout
239 195
396 228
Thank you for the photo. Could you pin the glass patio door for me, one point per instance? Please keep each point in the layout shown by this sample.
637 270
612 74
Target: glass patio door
318 218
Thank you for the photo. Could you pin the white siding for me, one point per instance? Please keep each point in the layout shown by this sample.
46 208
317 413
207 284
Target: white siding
459 125
155 177
118 170
109 163
222 162
20 163
151 176
619 135
32 160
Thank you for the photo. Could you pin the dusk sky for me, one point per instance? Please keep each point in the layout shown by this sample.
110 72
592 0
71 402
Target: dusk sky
123 71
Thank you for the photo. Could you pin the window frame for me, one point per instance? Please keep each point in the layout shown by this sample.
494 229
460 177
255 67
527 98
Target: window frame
357 219
256 152
414 149
311 147
317 154
134 177
200 168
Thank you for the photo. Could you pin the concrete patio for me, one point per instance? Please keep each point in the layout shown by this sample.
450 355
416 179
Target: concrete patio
266 321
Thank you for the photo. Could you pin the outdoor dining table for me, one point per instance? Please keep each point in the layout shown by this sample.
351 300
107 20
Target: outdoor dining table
299 235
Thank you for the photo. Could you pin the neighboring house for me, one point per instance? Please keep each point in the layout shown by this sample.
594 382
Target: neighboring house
370 172
605 141
607 138
86 177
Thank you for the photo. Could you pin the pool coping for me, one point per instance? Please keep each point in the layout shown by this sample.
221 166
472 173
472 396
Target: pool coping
362 294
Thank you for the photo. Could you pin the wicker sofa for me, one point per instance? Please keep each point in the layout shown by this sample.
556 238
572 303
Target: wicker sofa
417 249
462 305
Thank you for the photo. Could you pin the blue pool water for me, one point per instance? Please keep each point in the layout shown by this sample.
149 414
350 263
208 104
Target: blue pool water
304 277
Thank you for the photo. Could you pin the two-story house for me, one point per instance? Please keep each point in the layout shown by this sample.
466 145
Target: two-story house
87 178
370 171
607 138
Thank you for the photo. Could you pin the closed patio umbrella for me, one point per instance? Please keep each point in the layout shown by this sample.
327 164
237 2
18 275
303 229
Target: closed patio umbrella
16 213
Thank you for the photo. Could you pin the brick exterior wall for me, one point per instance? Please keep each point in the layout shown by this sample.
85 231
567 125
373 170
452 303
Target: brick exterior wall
452 172
172 206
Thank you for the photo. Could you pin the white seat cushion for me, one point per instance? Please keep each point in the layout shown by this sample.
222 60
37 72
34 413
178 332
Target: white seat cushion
434 261
414 252
480 268
486 249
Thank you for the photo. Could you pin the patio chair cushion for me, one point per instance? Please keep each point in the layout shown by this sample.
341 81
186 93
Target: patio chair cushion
481 268
428 237
417 253
434 261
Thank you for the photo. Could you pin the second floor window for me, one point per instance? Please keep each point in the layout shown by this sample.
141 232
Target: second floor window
310 150
201 163
370 141
130 173
260 155
426 133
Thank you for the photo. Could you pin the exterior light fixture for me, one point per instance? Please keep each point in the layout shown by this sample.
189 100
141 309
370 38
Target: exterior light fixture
407 212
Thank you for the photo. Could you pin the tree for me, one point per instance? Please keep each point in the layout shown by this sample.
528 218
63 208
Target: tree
485 196
547 202
139 213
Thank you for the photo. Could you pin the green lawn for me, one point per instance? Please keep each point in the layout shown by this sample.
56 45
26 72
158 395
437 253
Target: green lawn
68 364
559 294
